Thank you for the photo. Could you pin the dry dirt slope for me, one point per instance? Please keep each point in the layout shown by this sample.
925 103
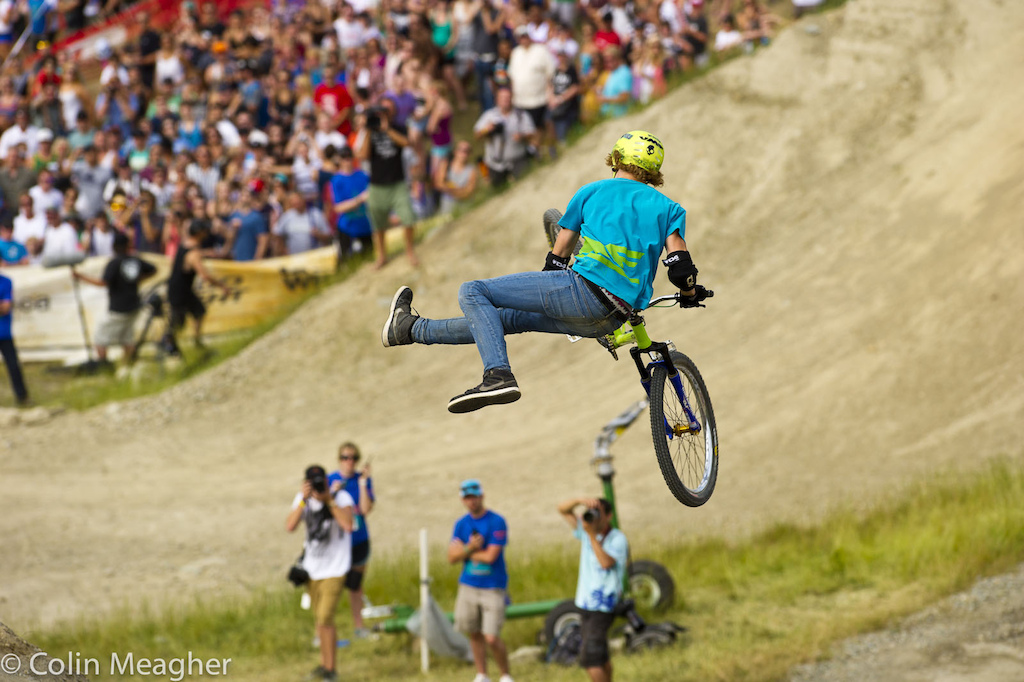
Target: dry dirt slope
854 199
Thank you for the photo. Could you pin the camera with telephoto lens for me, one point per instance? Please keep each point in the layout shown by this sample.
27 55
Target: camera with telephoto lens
373 118
317 478
590 515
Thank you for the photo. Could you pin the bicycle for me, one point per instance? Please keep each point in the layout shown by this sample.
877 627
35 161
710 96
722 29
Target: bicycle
682 419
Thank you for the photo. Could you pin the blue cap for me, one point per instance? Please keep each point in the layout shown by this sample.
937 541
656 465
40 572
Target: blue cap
471 486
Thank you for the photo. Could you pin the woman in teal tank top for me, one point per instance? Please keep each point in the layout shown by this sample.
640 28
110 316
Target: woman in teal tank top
445 35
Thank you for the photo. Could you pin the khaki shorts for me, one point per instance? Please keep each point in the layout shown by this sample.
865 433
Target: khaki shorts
383 200
323 595
479 610
116 329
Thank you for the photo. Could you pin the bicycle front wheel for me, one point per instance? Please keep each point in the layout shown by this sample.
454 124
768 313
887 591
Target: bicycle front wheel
687 449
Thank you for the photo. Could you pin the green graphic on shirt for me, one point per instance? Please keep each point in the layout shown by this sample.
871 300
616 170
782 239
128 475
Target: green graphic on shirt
478 568
617 258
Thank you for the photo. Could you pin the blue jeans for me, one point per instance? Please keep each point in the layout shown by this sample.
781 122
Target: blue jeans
556 301
484 70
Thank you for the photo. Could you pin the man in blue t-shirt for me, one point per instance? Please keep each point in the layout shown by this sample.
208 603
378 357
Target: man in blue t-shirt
604 553
7 348
478 543
249 229
11 252
359 486
625 224
350 188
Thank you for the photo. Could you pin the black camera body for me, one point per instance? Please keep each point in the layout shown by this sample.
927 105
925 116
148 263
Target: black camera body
373 118
318 482
590 515
497 129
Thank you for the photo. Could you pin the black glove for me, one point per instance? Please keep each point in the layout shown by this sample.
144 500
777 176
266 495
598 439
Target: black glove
553 262
699 294
681 270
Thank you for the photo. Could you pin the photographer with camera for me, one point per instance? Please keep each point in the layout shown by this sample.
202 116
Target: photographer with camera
327 555
510 138
382 146
478 543
604 552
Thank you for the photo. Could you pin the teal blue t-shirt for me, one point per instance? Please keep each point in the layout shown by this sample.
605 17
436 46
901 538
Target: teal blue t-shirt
619 81
599 589
624 225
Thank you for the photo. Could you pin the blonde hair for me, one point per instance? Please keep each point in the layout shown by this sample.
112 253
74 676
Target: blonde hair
614 161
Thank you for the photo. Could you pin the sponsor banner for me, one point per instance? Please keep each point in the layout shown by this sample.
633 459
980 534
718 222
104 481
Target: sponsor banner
48 320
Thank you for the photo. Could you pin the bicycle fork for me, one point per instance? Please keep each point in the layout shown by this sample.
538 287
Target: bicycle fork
662 350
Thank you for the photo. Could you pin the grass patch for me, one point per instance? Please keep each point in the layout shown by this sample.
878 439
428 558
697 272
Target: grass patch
754 608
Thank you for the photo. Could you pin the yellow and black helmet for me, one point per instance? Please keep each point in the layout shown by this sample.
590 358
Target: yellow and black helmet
640 148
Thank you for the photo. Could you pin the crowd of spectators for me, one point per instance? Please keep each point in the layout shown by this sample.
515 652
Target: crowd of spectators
306 124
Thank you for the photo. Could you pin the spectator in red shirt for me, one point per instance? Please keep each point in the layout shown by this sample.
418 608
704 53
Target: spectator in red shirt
334 100
606 35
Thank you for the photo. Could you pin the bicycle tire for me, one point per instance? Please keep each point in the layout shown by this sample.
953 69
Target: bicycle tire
651 585
552 228
688 461
565 613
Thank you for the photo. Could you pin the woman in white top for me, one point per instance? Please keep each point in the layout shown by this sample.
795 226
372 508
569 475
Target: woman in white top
73 97
168 63
304 169
728 37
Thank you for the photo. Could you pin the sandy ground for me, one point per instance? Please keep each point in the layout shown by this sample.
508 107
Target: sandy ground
854 199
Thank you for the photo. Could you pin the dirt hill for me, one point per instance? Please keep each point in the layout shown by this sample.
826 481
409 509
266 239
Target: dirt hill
854 197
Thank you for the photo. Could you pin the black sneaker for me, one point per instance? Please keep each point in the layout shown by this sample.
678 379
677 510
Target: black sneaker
398 329
330 676
317 674
498 388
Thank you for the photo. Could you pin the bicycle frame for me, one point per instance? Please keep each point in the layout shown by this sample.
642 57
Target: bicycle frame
634 331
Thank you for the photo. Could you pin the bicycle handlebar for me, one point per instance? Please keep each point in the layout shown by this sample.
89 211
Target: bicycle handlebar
676 297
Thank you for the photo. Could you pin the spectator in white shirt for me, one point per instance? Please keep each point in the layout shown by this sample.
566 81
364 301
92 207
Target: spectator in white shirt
301 228
44 194
60 240
728 37
349 28
530 68
508 135
28 224
326 135
304 170
538 26
562 42
204 173
22 132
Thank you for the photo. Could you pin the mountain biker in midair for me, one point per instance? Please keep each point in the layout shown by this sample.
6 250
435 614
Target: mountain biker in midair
624 222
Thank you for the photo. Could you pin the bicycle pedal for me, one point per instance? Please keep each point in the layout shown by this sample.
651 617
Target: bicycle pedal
607 345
